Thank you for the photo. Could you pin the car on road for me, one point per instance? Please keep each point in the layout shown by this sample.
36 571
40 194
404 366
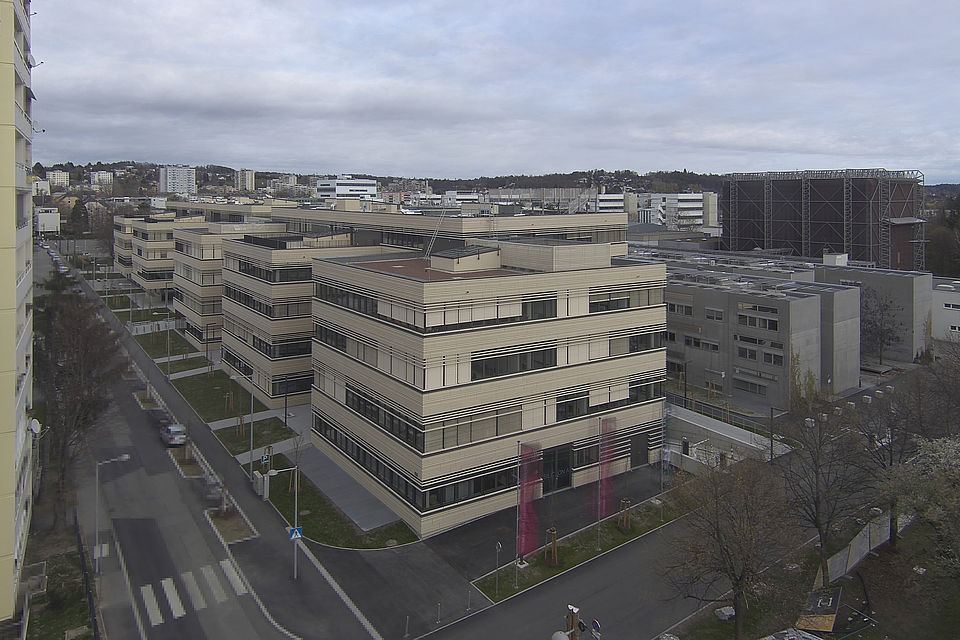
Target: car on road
173 435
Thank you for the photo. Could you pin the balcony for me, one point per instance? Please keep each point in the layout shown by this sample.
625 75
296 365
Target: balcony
21 175
23 123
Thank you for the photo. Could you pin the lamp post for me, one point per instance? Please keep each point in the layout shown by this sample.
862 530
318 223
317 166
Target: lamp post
296 511
250 378
123 457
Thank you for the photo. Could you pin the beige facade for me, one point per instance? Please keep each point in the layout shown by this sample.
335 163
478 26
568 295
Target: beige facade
429 373
16 297
198 280
267 326
382 223
152 250
123 244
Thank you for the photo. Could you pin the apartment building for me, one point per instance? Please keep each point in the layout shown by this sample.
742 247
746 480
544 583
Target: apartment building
267 324
151 250
101 179
198 278
58 179
16 286
177 178
431 373
246 180
346 187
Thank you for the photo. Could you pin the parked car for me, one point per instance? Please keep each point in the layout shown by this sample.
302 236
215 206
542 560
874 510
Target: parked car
173 435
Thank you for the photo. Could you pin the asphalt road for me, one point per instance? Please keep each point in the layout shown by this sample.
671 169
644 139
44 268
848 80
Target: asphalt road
623 589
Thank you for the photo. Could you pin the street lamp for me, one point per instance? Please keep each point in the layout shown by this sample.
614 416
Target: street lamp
250 378
296 510
123 457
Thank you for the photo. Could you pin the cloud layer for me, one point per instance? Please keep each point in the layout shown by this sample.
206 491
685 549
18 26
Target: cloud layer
443 89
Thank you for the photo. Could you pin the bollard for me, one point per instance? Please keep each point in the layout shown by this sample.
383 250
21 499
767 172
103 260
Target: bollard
438 613
406 628
468 598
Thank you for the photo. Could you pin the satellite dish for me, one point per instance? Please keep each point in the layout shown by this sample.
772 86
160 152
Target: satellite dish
34 426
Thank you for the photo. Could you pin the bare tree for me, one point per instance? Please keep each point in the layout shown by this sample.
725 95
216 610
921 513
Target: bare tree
738 526
887 422
879 326
76 360
822 483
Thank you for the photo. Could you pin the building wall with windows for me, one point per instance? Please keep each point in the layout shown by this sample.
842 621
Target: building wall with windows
198 278
177 178
267 325
246 180
429 374
16 292
58 179
152 247
347 187
945 309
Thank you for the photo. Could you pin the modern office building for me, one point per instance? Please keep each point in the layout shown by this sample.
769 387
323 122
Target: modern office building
346 187
16 285
760 339
151 250
382 223
432 373
869 214
267 324
678 211
246 180
177 178
198 278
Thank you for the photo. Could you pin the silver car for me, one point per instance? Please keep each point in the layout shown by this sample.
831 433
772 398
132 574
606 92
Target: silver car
173 435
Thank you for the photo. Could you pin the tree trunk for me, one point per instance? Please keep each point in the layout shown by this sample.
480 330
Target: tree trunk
893 523
824 564
739 609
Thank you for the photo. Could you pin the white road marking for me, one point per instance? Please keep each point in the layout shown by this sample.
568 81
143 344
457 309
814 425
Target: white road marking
362 619
231 572
214 583
193 590
173 597
150 604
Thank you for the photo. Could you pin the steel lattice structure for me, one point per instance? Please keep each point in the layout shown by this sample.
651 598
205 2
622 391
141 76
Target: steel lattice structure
810 213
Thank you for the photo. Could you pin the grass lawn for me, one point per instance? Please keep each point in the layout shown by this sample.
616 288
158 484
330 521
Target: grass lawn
207 394
176 366
906 604
155 344
144 315
577 550
322 521
265 432
64 606
117 302
903 603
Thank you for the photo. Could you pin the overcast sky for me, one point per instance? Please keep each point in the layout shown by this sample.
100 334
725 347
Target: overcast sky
462 89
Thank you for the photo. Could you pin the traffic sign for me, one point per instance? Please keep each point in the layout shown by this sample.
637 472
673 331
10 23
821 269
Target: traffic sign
296 533
264 459
596 629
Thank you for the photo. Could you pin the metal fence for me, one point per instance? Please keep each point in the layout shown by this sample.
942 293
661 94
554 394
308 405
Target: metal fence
724 414
87 581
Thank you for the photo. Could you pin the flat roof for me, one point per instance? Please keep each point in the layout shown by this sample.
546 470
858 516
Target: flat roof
419 269
463 252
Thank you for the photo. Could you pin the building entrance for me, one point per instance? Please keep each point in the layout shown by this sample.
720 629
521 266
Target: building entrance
556 468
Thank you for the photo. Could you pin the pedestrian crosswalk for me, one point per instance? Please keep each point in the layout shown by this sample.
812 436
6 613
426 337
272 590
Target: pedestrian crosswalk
164 602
